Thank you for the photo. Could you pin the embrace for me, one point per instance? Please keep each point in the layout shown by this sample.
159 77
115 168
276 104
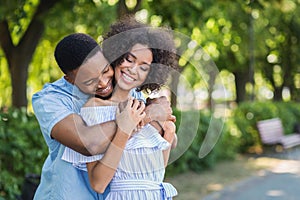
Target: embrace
105 140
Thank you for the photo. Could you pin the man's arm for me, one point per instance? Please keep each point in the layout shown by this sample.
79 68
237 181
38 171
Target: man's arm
87 140
159 109
91 140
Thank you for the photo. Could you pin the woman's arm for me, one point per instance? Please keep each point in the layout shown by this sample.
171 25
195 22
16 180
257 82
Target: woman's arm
101 172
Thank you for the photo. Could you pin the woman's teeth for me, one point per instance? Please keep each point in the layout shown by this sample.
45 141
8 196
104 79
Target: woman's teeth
128 78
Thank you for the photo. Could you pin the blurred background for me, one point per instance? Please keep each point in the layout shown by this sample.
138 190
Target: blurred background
254 44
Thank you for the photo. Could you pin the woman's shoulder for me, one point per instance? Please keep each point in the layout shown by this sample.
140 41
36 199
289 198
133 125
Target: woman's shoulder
94 101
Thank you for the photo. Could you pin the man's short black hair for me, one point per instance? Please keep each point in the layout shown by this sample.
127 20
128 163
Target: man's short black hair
73 50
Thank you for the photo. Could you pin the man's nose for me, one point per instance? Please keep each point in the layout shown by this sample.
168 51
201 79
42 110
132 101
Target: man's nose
102 82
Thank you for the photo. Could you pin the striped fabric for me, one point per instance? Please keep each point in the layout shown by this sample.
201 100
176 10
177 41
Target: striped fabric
166 190
141 166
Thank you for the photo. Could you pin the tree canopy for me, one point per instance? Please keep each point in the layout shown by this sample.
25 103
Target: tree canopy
255 42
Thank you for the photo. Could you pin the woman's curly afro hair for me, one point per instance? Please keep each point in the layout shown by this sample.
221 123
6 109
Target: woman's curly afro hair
126 33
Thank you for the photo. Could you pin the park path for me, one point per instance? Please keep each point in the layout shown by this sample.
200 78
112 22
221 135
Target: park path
281 182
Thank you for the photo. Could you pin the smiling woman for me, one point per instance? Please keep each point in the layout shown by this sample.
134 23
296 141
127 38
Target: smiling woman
126 33
134 69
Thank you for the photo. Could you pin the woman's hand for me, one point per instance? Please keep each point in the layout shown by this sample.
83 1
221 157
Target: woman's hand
128 118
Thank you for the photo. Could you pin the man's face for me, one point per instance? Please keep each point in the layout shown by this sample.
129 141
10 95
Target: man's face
94 77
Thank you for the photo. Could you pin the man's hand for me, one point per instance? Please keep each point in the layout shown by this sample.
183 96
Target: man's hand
159 109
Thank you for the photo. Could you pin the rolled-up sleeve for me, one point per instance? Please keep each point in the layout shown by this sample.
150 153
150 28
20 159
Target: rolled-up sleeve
50 109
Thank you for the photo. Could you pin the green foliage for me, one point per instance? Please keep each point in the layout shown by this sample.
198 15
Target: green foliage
225 148
248 113
212 24
22 150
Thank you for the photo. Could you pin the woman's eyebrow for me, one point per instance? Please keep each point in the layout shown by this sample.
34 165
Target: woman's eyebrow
129 53
143 62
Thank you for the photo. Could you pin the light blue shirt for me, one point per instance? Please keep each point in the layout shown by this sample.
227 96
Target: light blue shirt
59 179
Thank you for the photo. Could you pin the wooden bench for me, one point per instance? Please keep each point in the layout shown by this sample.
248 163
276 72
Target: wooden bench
271 133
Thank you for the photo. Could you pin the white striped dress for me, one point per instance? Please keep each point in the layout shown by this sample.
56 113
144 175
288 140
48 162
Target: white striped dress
141 170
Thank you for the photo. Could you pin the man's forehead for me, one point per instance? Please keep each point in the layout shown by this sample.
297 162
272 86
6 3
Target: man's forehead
94 63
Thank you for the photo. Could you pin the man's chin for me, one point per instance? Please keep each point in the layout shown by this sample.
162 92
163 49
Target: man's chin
103 97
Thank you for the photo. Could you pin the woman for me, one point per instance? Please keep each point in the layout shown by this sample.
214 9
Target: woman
135 169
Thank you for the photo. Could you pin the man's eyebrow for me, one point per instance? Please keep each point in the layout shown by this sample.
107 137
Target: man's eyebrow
105 67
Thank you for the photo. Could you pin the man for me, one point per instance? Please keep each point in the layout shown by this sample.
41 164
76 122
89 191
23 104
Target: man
56 107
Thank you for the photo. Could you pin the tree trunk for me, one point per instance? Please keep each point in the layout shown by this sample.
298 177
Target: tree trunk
277 94
123 10
240 83
19 75
287 64
19 56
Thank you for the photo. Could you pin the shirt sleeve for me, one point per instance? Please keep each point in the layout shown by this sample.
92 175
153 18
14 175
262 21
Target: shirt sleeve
137 95
49 109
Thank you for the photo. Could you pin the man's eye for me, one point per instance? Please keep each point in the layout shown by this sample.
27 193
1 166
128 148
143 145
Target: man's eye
88 83
106 70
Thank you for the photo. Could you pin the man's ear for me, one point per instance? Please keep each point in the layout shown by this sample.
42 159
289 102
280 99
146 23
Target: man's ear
70 76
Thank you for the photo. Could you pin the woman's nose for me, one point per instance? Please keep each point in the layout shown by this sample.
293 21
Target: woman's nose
132 69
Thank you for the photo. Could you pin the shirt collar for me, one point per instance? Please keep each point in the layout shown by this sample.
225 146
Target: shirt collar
76 92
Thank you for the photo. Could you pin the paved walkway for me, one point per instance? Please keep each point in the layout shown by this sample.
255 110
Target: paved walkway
282 182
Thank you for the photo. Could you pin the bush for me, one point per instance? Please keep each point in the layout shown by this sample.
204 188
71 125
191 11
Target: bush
22 150
194 125
248 113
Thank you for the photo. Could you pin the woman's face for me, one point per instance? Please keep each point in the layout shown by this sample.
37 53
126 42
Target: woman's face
133 71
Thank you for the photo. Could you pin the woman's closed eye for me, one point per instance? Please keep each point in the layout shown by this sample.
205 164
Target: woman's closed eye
129 59
145 68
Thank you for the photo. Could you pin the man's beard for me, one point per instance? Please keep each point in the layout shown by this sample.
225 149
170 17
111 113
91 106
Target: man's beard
104 98
108 96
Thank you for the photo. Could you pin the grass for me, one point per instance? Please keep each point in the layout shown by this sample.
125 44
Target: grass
192 186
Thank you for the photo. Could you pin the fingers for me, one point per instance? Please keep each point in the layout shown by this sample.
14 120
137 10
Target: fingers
130 102
138 106
172 118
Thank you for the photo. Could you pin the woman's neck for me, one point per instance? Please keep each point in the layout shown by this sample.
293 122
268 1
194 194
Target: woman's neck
119 95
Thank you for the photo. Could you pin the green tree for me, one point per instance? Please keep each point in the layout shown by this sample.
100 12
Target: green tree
26 24
21 28
282 36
